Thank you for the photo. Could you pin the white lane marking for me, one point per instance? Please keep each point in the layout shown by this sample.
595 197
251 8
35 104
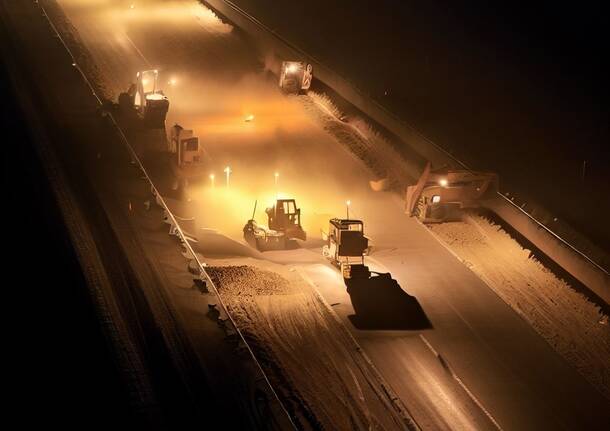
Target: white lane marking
425 340
446 365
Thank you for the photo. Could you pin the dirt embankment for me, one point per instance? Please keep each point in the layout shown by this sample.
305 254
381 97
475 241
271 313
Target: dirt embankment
363 141
575 327
315 367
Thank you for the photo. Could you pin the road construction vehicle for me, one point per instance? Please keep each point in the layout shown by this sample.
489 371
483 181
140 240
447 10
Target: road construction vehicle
346 247
441 195
295 76
284 226
149 102
186 147
190 157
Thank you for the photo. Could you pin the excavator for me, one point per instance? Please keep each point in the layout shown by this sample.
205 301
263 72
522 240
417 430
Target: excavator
441 195
284 226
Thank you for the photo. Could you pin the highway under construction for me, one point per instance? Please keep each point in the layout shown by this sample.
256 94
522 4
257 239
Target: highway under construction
264 254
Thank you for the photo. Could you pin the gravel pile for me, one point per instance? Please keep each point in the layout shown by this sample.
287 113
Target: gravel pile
248 281
312 363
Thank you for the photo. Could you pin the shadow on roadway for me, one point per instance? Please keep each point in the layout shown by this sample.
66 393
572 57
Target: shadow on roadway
211 242
381 304
293 244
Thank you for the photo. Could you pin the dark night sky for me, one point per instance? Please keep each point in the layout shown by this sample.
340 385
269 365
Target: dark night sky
520 89
567 40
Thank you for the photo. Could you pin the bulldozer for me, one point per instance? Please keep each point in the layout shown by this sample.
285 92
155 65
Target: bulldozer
295 76
149 102
441 195
284 226
346 247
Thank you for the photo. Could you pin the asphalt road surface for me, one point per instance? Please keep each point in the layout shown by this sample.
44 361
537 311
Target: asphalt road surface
495 370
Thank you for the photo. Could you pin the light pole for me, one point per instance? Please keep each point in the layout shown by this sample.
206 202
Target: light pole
347 204
228 172
276 176
212 177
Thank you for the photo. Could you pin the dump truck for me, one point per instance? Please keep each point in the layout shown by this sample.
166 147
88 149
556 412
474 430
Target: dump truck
284 226
295 76
441 195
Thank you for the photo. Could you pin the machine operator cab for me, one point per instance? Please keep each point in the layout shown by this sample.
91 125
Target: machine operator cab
186 145
285 217
346 247
295 76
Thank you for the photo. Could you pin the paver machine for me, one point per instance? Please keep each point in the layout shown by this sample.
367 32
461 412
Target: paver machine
149 101
284 219
346 247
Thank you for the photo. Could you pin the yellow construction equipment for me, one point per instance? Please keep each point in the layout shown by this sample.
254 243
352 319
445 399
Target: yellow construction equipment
346 247
284 226
295 76
149 101
189 157
186 145
441 195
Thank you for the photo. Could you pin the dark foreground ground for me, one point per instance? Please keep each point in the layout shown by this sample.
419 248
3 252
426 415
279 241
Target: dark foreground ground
518 89
63 369
96 341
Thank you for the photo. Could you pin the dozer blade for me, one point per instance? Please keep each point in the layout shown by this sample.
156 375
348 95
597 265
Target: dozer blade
296 232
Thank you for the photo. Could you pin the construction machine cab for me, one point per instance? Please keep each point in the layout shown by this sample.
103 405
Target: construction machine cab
346 247
295 76
348 237
149 101
285 217
186 146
